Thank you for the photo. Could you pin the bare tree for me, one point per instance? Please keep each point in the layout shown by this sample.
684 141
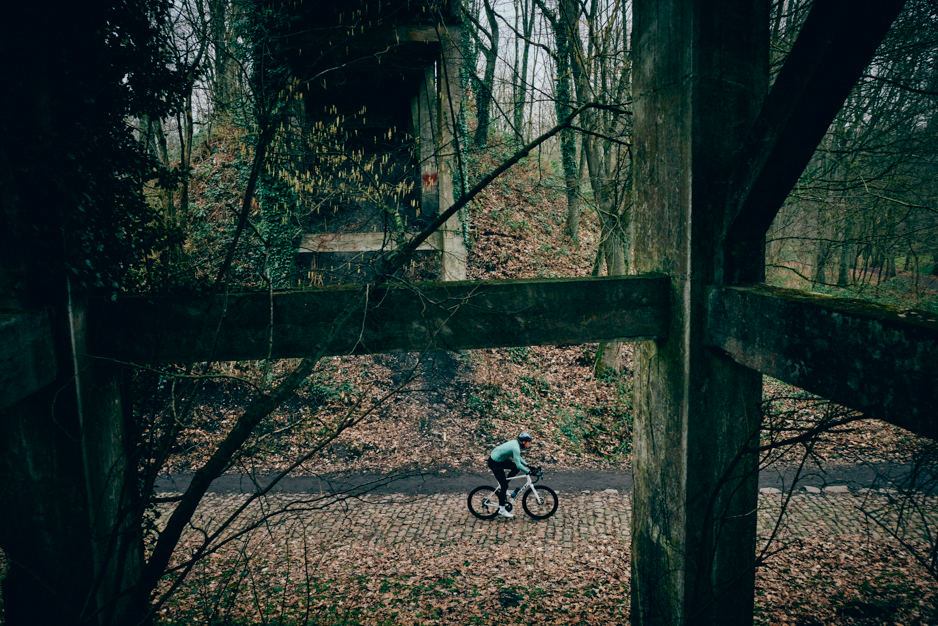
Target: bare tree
563 103
524 28
867 201
484 86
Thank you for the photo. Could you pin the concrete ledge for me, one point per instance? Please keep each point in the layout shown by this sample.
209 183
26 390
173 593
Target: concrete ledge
358 242
27 357
440 315
869 357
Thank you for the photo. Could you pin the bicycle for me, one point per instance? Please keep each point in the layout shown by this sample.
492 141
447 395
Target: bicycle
538 502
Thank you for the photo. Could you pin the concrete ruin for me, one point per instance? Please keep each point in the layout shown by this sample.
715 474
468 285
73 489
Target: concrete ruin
387 76
716 152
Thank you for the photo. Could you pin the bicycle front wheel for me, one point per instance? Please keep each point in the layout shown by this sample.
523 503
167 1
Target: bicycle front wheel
541 505
483 502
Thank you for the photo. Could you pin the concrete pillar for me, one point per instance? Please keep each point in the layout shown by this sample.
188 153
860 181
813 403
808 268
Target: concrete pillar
70 530
453 263
427 114
700 75
62 463
114 502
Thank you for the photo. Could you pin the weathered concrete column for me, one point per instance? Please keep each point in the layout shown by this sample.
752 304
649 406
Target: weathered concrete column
66 487
70 546
110 474
700 75
453 263
426 114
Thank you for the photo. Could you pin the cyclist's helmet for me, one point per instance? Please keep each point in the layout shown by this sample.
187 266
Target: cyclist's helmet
525 436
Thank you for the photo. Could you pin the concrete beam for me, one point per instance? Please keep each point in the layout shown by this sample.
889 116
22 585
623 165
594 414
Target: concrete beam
449 243
27 355
869 357
451 316
417 32
358 242
381 38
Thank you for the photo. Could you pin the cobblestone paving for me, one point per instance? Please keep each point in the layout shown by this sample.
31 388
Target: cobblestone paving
594 517
837 511
379 557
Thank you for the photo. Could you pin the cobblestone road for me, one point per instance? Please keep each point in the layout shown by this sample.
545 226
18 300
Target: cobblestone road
423 558
602 516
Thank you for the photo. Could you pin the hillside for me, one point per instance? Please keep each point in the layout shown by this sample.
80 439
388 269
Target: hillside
444 410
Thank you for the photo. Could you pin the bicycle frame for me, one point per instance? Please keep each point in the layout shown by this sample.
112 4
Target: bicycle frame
529 484
486 506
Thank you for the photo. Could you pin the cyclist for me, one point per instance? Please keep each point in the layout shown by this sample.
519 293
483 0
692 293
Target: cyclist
507 456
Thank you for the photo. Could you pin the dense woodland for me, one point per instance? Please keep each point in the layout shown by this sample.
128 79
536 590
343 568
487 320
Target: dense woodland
200 166
861 218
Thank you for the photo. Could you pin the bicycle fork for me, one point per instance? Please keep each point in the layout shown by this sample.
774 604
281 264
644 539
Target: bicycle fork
537 496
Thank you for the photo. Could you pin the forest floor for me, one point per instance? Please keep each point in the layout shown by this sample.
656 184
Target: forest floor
442 412
414 559
404 559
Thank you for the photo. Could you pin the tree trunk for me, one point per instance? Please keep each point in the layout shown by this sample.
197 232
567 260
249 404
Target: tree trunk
820 262
608 182
563 101
156 144
571 180
843 272
843 279
225 87
822 247
524 13
889 267
185 159
614 248
485 93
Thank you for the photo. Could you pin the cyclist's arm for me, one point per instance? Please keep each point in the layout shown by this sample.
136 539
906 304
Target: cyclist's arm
519 462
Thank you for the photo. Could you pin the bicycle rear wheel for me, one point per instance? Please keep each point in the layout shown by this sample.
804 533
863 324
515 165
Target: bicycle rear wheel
483 502
543 509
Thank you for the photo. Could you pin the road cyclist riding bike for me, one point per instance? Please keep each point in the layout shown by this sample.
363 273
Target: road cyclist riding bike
539 503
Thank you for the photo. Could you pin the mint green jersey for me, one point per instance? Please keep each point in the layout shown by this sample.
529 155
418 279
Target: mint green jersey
511 449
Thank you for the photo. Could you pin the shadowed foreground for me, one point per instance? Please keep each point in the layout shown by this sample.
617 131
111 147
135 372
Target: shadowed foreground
422 558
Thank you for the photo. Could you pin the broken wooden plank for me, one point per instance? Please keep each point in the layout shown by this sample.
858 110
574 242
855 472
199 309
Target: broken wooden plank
27 355
873 358
441 315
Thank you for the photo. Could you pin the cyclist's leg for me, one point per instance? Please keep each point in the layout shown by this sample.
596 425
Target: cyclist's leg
499 470
512 472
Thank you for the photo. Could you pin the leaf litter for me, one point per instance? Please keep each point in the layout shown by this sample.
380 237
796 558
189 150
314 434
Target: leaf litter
449 410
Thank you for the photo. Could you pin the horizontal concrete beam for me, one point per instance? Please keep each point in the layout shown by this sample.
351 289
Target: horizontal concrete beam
868 357
379 39
357 242
418 32
27 355
442 315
